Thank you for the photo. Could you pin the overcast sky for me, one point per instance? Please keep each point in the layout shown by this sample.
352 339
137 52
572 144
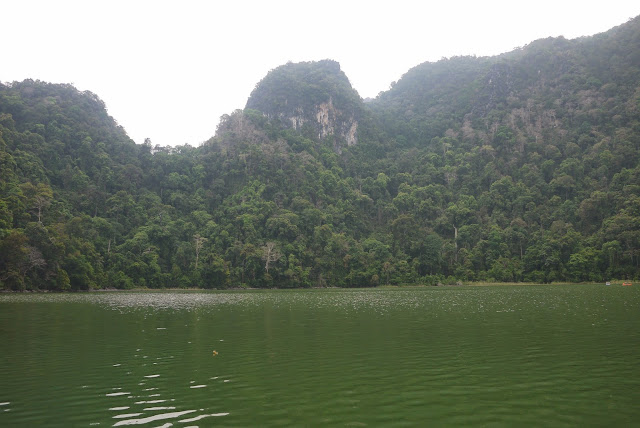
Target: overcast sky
168 70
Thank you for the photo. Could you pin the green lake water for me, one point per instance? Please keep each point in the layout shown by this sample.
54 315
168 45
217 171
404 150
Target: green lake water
442 356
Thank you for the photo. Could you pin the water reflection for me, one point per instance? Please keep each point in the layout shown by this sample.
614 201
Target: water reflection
449 356
144 408
154 418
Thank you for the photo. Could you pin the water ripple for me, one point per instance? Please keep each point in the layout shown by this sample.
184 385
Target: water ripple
498 356
153 418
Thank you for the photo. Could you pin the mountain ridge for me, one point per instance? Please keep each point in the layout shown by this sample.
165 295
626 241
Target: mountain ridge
519 167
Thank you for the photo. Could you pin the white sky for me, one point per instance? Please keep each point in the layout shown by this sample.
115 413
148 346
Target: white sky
168 70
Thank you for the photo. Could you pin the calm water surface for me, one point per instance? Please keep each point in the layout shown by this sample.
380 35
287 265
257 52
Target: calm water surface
472 356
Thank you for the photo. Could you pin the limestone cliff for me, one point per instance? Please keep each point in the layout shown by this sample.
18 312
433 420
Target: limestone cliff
311 97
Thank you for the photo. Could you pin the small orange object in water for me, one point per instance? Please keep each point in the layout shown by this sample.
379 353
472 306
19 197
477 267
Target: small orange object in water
626 283
215 353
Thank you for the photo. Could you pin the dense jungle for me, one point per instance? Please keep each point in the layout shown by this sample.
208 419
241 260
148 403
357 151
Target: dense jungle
523 167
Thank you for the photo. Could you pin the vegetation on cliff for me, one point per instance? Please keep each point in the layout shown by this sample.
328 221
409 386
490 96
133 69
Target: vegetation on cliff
520 167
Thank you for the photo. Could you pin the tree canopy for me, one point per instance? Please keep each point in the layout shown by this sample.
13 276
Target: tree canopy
520 167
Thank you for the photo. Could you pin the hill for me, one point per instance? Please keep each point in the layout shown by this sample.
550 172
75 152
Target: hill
315 98
519 167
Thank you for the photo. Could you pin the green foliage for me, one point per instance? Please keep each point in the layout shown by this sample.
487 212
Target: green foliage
302 87
522 167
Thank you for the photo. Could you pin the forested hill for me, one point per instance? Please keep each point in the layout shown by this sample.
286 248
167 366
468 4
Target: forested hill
519 167
566 86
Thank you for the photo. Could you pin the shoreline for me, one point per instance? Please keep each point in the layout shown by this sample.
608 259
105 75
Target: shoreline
381 287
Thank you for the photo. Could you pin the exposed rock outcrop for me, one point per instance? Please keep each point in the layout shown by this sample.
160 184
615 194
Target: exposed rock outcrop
311 96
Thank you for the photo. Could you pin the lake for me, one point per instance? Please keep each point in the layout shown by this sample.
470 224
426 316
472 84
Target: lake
447 356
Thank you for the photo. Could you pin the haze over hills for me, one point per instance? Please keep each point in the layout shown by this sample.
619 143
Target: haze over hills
519 167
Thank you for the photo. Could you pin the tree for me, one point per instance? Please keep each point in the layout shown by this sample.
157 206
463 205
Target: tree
270 254
199 242
14 260
40 196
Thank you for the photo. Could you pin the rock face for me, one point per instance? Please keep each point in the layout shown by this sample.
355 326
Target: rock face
311 97
327 121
